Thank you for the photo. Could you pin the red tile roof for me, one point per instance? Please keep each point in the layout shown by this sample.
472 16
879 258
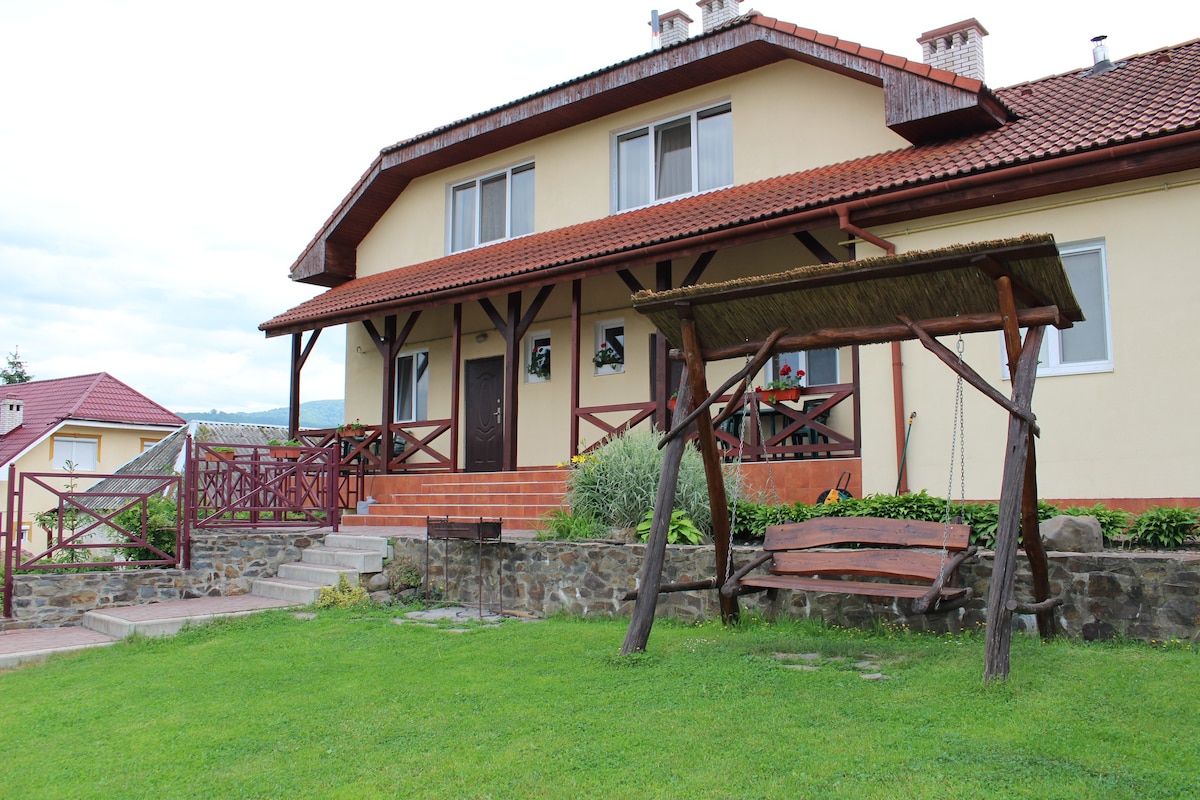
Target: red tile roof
95 398
1149 99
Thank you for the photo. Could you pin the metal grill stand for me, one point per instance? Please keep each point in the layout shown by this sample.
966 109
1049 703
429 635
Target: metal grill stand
479 530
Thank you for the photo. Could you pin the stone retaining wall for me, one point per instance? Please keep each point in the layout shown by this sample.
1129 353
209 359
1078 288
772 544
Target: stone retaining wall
1148 596
222 564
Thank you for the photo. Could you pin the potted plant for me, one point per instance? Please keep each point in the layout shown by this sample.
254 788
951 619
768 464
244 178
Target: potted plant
219 454
539 362
354 430
785 387
288 449
607 356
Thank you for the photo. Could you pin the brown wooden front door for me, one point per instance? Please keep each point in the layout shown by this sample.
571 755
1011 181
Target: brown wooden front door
484 410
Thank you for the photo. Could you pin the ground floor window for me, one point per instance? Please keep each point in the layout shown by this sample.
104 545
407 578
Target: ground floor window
75 453
412 386
820 367
537 357
609 357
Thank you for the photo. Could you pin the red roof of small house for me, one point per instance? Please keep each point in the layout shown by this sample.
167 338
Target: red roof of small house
1070 131
85 398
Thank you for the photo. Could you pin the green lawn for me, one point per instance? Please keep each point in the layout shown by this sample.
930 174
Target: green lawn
350 705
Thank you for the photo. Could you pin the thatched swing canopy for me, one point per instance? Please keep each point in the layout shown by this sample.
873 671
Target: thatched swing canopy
944 291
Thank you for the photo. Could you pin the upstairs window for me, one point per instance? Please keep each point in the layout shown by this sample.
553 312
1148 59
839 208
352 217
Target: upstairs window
491 208
76 453
679 156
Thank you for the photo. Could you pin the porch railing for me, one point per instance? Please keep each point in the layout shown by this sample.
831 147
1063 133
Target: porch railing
237 485
82 524
415 446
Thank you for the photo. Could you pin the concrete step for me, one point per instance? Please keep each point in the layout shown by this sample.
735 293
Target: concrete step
377 544
163 619
355 559
301 593
318 574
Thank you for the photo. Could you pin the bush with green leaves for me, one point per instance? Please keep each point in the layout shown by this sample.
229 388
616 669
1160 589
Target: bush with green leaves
402 573
615 484
571 526
1165 526
343 595
159 528
681 531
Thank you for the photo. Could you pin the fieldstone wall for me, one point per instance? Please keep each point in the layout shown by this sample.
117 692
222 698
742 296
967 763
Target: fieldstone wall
222 564
1143 595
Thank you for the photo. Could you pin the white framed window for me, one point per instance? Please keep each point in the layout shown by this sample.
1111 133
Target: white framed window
491 208
609 355
1086 346
412 386
820 366
79 453
677 156
537 357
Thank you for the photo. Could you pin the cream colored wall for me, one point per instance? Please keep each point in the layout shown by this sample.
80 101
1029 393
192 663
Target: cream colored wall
1131 432
116 447
787 117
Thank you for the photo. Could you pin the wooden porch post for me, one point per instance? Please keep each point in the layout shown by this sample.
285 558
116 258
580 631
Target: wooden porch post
299 356
512 363
455 384
576 321
662 355
388 412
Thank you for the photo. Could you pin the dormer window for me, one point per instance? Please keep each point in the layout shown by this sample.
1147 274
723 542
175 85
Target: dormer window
491 208
678 156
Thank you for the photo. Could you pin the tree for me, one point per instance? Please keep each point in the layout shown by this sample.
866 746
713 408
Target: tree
15 372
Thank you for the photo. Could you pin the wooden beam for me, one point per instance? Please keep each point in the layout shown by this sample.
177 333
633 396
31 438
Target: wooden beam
642 619
512 380
299 357
996 271
1000 593
697 270
815 247
576 322
455 384
828 338
632 282
713 473
968 374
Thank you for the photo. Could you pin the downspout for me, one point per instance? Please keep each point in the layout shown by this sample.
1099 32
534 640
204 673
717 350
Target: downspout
849 227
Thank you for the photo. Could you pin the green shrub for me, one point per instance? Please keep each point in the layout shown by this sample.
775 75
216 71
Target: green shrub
402 574
343 595
561 525
1165 526
919 506
159 529
681 531
617 482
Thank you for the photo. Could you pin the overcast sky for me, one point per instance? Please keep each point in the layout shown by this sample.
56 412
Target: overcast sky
162 163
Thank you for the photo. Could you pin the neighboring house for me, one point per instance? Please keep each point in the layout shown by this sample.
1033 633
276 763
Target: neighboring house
754 147
78 426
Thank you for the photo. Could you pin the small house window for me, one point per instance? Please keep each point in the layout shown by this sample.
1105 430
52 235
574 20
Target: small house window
537 357
81 453
609 357
412 386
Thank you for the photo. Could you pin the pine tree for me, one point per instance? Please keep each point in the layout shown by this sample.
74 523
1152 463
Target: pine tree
15 372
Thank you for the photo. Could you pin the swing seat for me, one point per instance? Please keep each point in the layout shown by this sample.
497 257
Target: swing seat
903 558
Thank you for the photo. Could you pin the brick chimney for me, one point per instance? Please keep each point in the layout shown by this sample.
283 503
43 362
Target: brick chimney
715 13
674 27
957 47
12 414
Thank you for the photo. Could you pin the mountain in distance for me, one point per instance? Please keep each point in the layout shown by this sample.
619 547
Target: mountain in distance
313 414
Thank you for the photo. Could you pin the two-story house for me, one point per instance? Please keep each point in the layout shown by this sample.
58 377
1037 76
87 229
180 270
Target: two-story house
484 269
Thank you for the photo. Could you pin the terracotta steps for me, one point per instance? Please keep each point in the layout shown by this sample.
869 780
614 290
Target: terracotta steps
520 498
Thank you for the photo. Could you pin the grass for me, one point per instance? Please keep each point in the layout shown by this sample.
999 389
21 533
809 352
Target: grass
349 705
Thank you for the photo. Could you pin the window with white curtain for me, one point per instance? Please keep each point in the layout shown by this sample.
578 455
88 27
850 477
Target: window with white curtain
492 208
412 386
674 157
80 453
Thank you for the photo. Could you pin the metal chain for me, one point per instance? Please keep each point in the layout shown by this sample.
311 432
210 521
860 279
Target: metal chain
957 443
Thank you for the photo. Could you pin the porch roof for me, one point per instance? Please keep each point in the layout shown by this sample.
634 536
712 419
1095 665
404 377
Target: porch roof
865 301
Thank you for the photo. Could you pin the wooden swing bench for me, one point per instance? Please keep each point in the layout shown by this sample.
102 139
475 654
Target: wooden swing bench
912 559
